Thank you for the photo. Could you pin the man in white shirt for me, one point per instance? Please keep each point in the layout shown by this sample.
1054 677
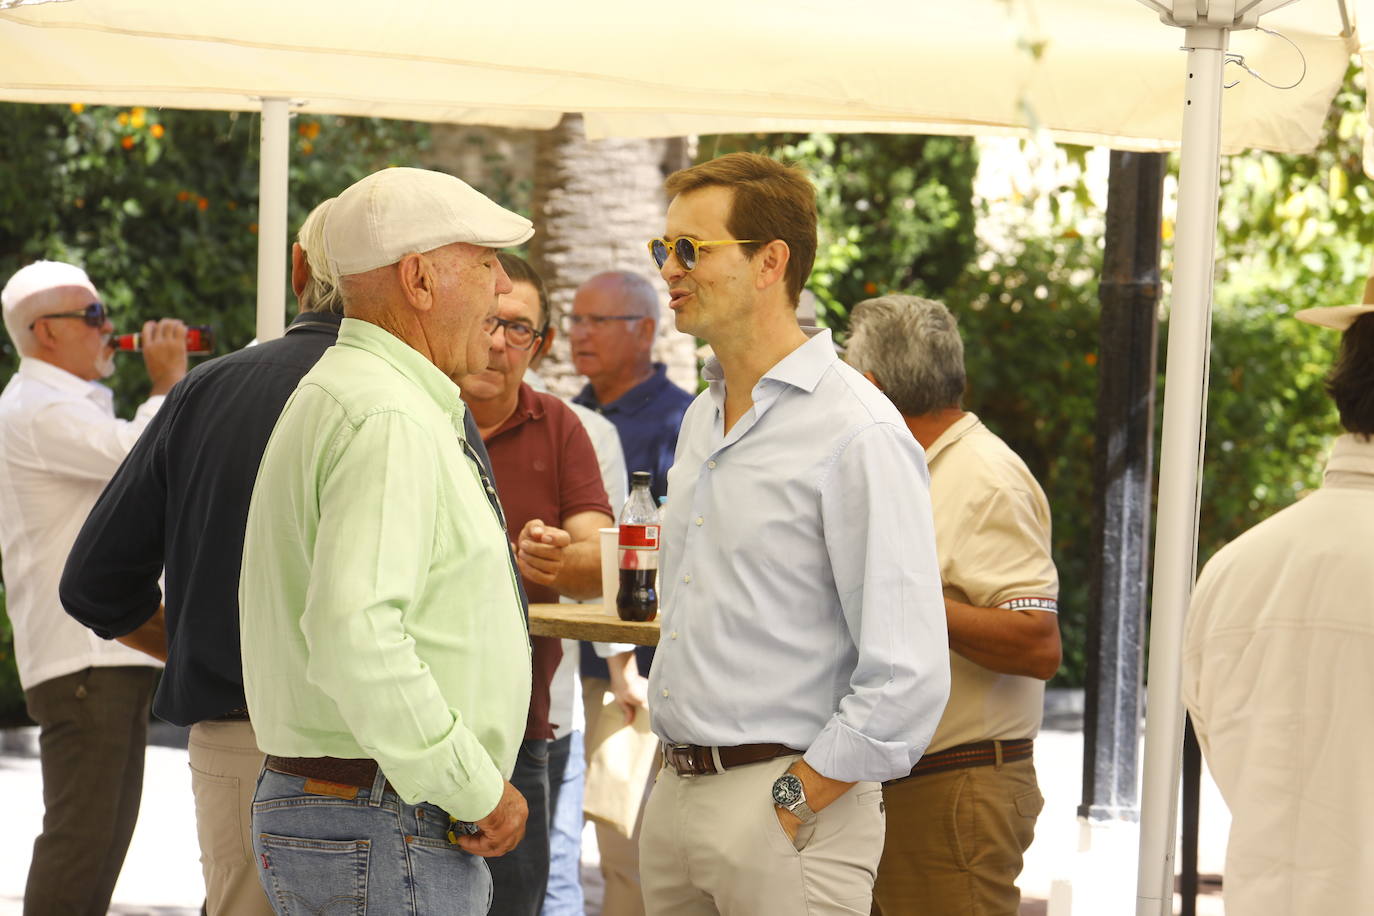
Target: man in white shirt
1278 671
804 656
60 442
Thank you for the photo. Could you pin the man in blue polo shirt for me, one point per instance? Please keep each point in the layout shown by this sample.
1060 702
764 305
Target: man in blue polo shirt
612 327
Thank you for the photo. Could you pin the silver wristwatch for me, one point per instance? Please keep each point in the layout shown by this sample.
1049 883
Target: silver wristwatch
788 793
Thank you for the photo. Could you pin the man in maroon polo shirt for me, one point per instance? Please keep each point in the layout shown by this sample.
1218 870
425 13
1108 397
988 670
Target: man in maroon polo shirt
549 484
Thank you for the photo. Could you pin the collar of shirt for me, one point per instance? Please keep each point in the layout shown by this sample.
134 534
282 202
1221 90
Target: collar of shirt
315 321
1351 462
802 368
636 399
406 360
56 377
527 407
958 430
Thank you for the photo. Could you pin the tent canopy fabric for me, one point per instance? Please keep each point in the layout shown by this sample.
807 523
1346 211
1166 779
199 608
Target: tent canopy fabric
1102 72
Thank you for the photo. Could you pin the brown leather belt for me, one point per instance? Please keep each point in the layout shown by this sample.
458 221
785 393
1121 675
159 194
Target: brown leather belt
358 773
964 756
695 760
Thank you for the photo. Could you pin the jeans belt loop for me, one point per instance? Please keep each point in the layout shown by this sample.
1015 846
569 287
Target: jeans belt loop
715 759
374 799
997 753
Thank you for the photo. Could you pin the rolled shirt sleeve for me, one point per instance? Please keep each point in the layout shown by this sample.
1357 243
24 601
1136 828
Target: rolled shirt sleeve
110 581
875 509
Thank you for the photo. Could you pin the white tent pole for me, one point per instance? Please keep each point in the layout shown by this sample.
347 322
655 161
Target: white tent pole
272 190
1185 398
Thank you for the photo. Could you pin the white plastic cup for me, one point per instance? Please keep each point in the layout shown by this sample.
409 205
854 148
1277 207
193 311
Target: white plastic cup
610 568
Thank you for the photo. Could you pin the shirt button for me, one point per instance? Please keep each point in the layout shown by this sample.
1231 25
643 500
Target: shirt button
687 578
700 519
674 634
710 464
665 691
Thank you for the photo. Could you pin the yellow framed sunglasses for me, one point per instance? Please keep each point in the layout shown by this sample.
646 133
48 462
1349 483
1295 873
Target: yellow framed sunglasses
686 248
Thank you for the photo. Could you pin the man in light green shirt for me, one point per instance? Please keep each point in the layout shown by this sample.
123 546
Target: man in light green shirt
386 658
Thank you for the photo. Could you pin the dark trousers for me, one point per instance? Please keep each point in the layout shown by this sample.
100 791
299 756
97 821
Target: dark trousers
518 878
93 731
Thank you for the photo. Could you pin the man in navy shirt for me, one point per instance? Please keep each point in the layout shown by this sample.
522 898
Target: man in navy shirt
612 327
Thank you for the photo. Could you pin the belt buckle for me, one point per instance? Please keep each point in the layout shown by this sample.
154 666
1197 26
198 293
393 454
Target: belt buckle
670 754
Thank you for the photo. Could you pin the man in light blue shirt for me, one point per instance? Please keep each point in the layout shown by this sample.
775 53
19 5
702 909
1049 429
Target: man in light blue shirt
804 656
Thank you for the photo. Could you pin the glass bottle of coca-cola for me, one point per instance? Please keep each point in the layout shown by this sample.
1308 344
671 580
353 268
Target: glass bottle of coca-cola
639 528
200 341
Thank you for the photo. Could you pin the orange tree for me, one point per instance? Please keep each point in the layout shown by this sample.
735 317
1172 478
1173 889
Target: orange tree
160 207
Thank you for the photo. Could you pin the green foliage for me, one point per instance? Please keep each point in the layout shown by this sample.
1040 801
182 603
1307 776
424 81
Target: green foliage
1028 316
160 207
1296 232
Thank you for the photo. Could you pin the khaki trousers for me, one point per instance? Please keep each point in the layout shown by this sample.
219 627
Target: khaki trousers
225 762
955 841
616 785
713 844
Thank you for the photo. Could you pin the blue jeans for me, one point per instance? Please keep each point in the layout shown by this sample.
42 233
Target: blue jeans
520 876
369 854
567 775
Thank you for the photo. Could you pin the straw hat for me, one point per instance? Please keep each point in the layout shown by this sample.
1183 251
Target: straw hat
1340 317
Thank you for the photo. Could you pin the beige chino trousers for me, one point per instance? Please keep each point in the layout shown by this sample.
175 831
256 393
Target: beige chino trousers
713 845
225 762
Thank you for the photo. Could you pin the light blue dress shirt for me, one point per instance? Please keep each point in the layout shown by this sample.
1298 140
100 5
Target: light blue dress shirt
801 593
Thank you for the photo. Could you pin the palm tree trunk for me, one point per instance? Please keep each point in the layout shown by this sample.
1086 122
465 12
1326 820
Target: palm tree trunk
595 205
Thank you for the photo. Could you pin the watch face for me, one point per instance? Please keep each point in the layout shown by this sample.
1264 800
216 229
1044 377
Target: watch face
787 790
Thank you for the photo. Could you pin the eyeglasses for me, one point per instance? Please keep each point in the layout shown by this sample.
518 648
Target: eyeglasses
687 249
519 336
597 322
93 314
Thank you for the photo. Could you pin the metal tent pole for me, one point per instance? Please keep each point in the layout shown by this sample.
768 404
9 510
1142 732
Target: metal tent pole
1185 394
272 197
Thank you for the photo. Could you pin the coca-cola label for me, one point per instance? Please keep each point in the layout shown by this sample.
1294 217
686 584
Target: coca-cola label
639 537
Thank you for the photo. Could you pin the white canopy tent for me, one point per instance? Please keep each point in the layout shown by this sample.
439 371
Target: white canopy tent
1101 72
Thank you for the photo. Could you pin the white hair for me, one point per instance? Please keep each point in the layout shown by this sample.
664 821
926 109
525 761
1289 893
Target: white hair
912 347
321 293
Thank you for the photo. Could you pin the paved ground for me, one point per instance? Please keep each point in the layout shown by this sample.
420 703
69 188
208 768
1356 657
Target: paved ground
161 876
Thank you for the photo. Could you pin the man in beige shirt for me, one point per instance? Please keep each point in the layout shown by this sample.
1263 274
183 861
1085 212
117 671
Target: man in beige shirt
960 823
1278 669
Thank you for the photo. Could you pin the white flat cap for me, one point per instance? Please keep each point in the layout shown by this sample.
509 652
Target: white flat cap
37 277
40 276
395 212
